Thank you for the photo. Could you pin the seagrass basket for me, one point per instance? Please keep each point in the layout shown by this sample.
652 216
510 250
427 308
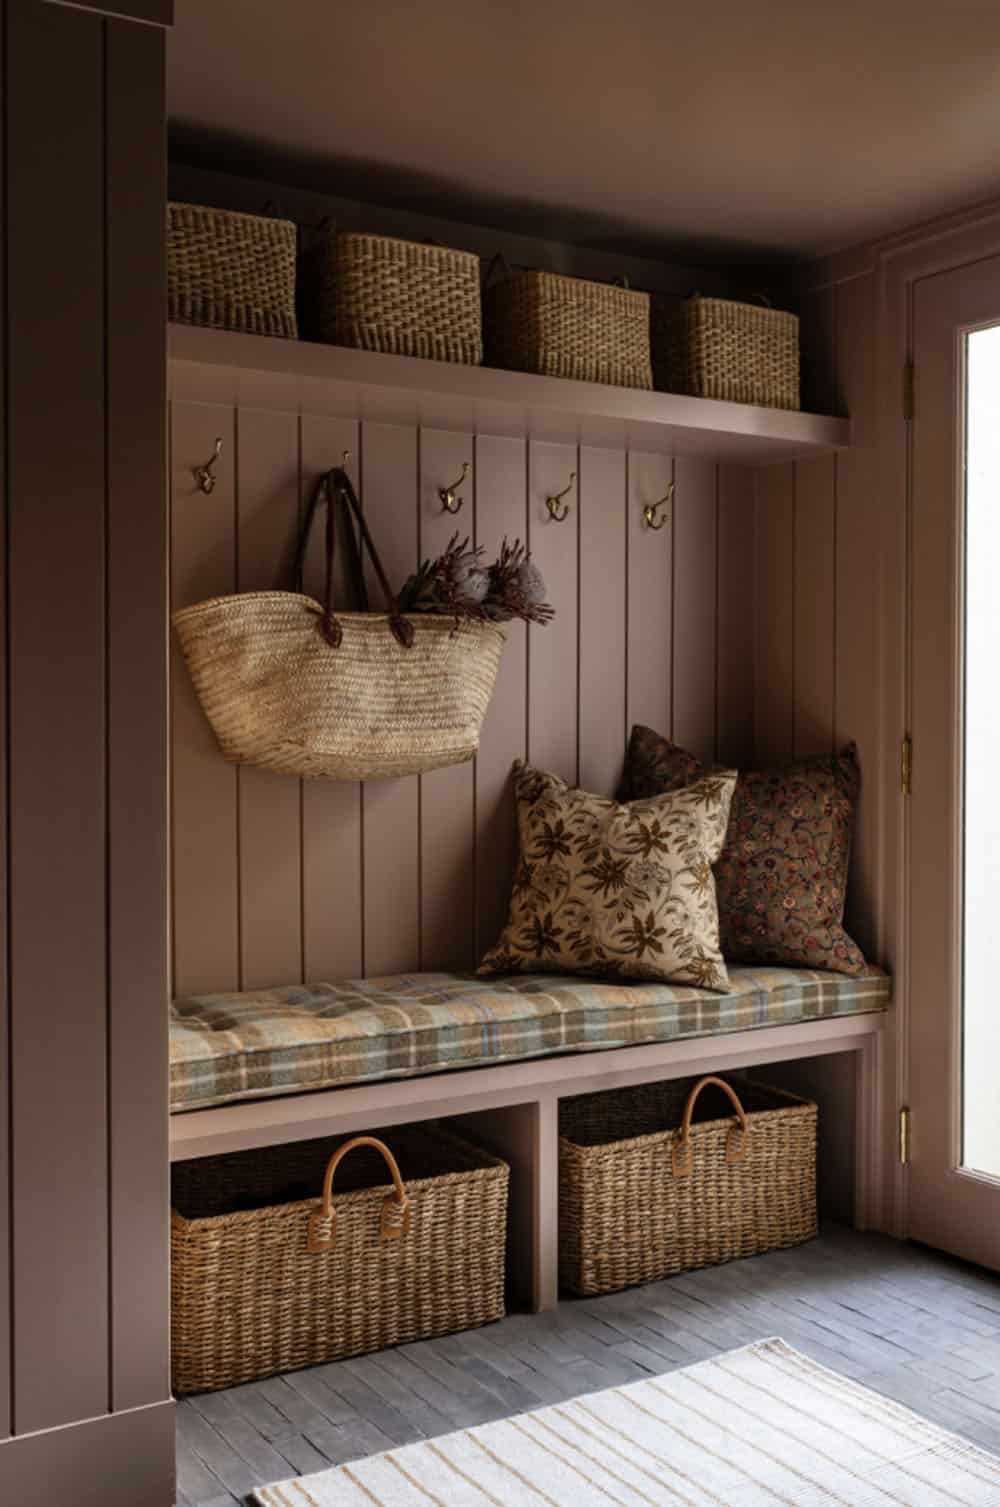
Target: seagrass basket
384 294
231 271
568 327
718 348
283 1258
662 1178
290 685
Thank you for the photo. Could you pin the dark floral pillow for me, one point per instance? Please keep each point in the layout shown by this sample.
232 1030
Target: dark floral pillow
781 880
623 891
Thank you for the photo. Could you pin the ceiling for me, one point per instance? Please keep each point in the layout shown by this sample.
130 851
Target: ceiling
745 131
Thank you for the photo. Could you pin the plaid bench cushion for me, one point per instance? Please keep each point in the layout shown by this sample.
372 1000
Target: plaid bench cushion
227 1047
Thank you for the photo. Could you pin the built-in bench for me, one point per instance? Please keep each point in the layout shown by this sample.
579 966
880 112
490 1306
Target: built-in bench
278 1065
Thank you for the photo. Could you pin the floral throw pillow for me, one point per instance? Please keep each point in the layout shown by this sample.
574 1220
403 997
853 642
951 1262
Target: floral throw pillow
781 880
624 891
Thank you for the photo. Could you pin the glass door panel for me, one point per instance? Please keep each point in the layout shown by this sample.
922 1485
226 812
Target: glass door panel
981 816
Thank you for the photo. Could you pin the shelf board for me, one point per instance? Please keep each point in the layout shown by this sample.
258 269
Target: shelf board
264 372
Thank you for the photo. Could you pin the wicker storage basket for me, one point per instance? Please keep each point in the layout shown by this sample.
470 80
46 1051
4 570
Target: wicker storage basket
289 686
568 327
716 348
271 1270
231 271
660 1179
384 294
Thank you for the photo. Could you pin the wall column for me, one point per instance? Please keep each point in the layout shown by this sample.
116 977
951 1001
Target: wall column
85 1409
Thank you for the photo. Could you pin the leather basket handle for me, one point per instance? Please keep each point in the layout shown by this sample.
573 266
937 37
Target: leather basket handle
394 1222
682 1152
333 487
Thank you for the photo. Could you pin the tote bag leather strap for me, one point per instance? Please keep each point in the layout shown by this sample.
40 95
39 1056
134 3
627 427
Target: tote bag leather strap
333 487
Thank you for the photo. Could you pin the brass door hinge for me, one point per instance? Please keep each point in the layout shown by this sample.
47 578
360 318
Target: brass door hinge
906 765
909 389
904 1136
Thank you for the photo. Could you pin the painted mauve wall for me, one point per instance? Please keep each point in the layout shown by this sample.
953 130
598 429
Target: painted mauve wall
818 583
85 1411
276 881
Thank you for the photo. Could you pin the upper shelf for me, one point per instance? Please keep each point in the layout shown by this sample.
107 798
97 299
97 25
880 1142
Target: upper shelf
259 371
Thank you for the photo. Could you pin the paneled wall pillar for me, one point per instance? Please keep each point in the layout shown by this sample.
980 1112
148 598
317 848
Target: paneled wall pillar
85 1411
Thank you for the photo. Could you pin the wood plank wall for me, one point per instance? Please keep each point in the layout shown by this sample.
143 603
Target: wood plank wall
276 881
83 1158
817 553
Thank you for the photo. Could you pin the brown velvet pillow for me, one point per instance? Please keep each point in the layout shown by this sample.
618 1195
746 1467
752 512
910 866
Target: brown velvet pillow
781 879
621 891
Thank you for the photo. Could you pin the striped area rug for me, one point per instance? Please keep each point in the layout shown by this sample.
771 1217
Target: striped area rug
759 1427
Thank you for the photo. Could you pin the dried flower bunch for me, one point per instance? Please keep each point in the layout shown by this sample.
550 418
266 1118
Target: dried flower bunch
458 584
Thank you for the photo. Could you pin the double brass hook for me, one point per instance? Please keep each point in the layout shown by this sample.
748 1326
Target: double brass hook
205 475
552 503
651 510
450 500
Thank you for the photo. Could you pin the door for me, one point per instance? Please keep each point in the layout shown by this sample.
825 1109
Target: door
954 1187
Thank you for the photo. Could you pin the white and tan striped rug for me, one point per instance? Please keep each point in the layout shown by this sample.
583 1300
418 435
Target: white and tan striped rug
759 1427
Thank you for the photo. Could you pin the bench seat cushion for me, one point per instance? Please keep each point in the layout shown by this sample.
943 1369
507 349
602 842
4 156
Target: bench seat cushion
228 1047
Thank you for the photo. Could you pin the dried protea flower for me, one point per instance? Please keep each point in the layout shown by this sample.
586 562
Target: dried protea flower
517 587
477 585
455 583
531 583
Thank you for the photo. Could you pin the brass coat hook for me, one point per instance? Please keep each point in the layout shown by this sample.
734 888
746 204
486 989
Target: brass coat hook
450 500
651 509
552 503
205 475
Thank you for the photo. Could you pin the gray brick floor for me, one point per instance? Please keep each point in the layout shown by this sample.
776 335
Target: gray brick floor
903 1320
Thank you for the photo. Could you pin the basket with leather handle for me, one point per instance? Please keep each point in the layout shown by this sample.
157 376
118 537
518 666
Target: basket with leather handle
294 686
398 1247
667 1177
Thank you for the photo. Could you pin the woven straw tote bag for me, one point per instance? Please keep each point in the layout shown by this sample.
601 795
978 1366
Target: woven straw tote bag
293 686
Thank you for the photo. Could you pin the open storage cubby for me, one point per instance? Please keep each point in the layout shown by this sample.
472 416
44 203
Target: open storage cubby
513 1110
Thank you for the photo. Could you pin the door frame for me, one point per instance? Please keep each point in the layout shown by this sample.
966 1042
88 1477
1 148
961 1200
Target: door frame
899 266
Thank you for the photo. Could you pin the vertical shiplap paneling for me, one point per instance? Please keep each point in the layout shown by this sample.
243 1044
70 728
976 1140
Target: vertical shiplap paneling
695 615
737 616
137 716
857 606
603 522
553 647
501 512
58 667
332 810
269 805
391 807
205 868
650 595
774 730
447 800
818 351
815 606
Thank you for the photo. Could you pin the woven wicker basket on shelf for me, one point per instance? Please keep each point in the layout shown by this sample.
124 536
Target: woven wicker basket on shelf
231 271
385 294
271 1271
568 327
717 348
641 1197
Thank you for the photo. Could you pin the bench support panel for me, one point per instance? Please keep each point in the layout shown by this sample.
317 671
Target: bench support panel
526 1136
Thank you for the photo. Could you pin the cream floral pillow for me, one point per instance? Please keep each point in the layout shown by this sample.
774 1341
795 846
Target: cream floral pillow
624 891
